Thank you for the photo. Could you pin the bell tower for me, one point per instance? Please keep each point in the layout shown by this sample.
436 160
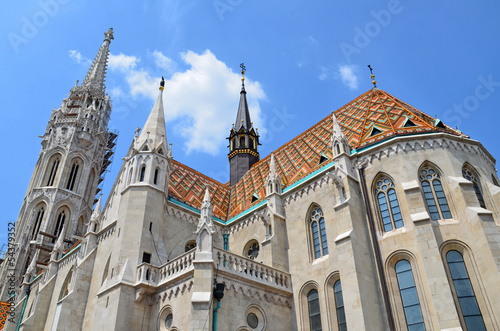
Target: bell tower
243 139
77 147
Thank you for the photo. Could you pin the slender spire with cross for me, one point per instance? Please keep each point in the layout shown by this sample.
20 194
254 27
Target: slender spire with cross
374 82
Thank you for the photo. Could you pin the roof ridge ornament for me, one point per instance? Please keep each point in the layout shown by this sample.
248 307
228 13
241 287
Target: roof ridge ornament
374 82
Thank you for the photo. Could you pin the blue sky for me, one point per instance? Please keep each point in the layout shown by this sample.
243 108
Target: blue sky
303 58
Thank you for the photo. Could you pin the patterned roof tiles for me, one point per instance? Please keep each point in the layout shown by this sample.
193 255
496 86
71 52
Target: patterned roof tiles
370 118
188 186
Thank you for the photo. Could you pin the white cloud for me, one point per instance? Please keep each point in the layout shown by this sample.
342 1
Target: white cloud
76 55
122 62
202 101
163 62
348 76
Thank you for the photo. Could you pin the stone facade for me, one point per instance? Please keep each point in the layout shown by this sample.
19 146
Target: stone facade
401 233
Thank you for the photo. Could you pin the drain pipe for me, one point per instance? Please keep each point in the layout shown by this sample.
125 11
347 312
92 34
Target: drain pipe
376 248
22 312
214 327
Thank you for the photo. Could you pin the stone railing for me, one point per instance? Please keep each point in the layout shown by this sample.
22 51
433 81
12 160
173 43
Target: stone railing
180 265
153 276
147 274
249 269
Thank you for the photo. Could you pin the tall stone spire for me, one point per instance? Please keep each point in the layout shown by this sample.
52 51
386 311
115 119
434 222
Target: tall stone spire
243 139
154 132
96 75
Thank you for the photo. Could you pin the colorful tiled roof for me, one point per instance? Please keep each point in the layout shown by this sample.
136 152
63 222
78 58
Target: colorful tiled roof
188 186
370 118
376 115
4 313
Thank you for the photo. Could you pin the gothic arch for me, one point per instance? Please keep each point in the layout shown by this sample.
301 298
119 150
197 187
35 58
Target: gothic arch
316 232
331 307
303 303
394 289
470 173
67 285
386 202
73 174
434 191
52 169
37 219
475 279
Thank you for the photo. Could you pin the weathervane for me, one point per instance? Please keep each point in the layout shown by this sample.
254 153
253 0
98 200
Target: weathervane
162 83
374 82
243 69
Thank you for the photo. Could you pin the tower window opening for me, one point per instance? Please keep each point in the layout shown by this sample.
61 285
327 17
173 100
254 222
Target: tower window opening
38 222
155 179
53 171
242 142
72 176
142 174
59 224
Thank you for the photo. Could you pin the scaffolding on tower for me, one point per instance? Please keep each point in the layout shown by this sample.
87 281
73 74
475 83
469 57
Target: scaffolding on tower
107 161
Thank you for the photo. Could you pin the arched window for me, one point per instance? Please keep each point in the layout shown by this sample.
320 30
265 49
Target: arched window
242 142
314 312
469 174
38 221
434 193
339 306
73 175
388 204
463 292
51 171
142 173
155 179
409 296
61 217
318 233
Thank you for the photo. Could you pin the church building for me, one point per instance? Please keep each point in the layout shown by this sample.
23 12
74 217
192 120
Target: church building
378 217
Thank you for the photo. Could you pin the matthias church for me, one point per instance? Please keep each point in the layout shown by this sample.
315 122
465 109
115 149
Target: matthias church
378 217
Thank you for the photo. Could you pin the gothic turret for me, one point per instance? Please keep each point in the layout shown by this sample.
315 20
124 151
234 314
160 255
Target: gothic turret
243 139
148 159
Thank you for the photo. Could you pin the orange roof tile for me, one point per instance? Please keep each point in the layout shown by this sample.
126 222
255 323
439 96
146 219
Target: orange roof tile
188 186
4 313
370 118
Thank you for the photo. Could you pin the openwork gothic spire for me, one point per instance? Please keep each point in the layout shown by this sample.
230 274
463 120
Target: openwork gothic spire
96 75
